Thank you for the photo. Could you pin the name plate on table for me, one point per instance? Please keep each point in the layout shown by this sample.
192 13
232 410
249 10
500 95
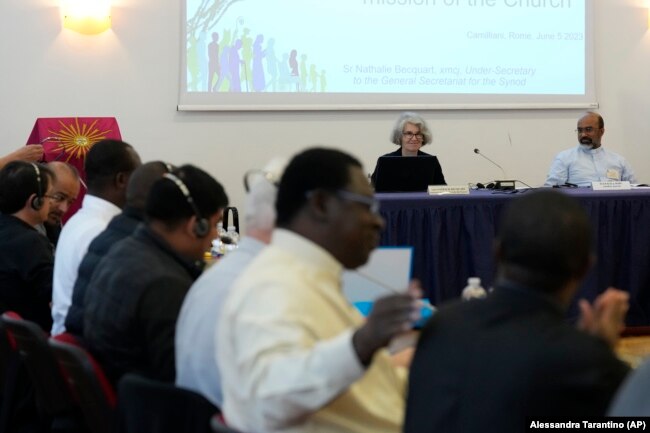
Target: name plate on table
611 185
448 189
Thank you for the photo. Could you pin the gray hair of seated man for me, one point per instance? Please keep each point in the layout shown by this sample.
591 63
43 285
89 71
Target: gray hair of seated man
259 211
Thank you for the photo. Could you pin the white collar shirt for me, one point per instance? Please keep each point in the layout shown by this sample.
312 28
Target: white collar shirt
76 235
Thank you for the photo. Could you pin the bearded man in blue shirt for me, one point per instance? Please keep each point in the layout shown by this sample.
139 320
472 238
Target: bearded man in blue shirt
589 162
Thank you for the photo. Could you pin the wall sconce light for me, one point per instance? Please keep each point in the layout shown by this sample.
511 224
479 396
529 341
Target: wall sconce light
88 17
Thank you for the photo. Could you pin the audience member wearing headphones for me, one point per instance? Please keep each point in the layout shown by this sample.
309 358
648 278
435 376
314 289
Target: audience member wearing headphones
135 294
123 225
26 256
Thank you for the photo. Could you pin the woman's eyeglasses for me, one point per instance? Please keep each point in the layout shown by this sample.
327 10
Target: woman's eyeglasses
409 135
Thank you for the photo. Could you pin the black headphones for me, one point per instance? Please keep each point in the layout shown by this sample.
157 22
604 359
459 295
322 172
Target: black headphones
490 185
37 202
235 218
202 225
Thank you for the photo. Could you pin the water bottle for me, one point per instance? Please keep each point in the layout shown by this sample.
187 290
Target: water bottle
473 290
233 236
220 230
218 248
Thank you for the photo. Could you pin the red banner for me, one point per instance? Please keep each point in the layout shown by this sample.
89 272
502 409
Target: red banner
69 139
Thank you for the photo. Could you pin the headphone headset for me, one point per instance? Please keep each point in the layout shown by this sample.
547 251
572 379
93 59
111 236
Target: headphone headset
201 226
37 202
490 185
235 218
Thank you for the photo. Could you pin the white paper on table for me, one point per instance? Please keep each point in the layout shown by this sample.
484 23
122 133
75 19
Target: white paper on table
392 266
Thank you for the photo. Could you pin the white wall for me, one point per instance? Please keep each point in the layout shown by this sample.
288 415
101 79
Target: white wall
132 72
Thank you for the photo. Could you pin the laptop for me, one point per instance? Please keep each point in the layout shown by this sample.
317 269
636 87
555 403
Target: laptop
405 173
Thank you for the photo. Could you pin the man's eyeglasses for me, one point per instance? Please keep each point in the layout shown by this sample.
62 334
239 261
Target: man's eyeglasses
408 135
370 202
586 130
59 198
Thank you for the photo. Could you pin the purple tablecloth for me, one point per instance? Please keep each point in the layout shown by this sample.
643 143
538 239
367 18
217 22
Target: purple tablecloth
453 239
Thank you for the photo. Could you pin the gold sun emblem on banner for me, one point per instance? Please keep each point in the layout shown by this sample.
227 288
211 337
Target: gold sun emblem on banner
75 140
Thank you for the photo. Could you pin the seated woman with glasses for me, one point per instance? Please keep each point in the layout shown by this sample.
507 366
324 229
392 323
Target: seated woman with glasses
410 134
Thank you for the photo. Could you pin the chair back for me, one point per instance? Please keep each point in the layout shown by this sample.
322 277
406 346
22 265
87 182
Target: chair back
219 426
8 376
90 387
53 397
8 353
152 406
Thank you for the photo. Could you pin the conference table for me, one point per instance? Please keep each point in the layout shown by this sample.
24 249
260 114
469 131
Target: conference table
453 236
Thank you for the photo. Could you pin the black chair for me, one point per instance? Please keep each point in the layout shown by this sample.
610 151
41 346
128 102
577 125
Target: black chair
91 389
53 397
9 370
151 406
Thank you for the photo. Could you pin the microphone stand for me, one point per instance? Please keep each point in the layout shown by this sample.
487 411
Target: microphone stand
501 184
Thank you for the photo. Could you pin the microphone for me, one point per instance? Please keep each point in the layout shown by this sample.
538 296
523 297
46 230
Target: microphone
499 184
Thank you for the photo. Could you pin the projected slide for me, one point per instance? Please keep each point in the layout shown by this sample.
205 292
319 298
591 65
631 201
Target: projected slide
301 49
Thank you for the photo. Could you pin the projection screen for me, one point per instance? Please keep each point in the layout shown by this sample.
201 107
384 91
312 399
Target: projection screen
386 54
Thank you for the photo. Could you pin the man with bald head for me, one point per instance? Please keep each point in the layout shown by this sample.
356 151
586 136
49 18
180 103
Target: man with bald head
64 193
120 227
589 162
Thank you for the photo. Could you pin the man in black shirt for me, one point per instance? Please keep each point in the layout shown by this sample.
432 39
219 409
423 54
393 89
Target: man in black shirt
120 227
26 256
486 365
135 294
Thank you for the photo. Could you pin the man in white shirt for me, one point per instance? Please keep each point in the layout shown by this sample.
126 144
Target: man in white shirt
108 165
196 361
294 355
588 162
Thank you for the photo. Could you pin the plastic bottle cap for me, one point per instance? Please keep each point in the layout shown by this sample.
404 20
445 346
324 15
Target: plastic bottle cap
474 281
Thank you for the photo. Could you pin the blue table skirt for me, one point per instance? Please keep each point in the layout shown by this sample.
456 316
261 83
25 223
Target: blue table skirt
453 239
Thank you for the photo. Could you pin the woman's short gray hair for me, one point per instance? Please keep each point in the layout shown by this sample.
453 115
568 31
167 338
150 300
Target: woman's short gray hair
414 118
